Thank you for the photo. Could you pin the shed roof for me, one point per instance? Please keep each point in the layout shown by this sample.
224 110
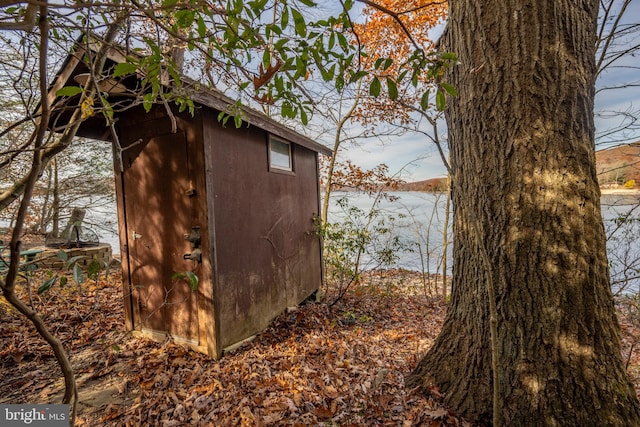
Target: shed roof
95 126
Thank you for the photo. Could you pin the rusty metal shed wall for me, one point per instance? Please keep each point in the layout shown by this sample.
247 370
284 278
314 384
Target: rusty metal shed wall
267 255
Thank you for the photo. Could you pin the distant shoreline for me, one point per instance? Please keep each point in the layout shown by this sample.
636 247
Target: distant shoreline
620 191
603 191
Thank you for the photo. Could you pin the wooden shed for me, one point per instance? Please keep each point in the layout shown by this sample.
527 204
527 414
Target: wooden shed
233 205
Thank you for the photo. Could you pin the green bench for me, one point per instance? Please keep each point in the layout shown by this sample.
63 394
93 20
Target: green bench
27 257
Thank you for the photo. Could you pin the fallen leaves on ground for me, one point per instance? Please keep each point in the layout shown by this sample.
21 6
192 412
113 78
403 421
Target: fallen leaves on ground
314 365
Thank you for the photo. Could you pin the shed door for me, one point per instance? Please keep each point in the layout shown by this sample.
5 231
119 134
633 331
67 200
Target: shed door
158 214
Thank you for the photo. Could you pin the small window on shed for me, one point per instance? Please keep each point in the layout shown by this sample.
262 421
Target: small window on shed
280 155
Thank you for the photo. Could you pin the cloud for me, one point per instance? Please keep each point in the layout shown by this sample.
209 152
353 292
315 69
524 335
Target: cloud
412 155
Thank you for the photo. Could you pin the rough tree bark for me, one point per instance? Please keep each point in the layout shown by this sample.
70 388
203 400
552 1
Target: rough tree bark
521 135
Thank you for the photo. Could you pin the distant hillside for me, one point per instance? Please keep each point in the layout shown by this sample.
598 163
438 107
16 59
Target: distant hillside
618 165
429 185
615 166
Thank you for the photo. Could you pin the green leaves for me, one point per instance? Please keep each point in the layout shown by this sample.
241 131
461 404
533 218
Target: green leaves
449 56
440 97
147 101
233 39
48 284
440 101
449 89
383 64
77 274
202 27
374 88
392 88
299 23
93 270
193 280
424 101
189 276
237 121
69 91
304 118
284 18
279 46
185 18
257 6
124 69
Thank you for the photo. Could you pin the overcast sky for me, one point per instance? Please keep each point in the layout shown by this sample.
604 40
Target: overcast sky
418 158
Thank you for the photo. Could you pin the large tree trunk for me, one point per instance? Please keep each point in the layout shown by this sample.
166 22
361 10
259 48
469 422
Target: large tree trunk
521 136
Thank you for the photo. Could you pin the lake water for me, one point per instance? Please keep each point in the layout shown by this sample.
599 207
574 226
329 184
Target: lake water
419 220
414 223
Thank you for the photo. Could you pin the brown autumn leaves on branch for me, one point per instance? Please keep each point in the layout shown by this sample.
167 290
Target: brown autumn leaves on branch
392 30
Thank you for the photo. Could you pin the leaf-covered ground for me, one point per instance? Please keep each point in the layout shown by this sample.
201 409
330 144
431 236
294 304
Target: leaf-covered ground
314 366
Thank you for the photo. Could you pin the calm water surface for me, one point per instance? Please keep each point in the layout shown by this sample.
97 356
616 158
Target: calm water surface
419 220
416 220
